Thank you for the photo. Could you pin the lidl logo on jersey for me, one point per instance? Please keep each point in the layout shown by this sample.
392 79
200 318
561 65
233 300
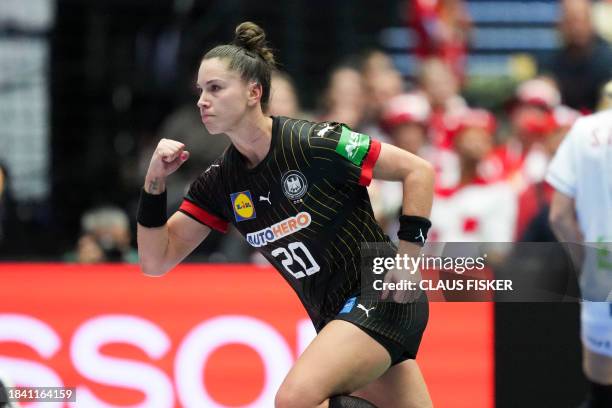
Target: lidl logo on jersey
279 230
243 206
353 145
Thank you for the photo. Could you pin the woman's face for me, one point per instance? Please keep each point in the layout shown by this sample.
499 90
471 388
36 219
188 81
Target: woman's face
224 96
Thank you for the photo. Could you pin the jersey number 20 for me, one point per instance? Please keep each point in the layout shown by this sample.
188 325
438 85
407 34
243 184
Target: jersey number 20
295 259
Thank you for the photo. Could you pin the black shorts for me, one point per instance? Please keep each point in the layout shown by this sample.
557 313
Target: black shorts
398 327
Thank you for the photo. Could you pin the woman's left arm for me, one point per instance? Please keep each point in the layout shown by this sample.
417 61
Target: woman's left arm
417 176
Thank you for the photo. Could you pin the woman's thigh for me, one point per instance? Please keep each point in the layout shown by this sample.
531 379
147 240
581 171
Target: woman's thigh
341 359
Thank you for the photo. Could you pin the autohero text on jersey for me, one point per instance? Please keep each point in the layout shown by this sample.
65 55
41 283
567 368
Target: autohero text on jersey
279 230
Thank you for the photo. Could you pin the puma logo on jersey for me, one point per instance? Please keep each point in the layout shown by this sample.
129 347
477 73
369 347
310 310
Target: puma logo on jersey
367 311
210 167
262 198
323 131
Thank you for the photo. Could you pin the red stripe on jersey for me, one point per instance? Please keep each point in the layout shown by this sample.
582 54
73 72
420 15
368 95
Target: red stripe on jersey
203 216
368 163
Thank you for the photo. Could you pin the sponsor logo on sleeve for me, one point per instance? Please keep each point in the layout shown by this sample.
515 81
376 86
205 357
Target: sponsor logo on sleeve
242 204
353 146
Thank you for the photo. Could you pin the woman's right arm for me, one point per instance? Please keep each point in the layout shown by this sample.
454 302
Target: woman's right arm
162 248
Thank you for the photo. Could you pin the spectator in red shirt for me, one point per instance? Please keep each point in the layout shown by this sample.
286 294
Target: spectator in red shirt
522 158
442 29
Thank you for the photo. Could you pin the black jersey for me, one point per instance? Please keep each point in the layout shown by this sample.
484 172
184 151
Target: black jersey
305 207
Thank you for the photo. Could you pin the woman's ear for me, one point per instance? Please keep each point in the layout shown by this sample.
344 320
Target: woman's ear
255 91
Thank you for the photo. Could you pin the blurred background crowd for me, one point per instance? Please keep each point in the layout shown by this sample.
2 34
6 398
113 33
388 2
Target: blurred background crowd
483 89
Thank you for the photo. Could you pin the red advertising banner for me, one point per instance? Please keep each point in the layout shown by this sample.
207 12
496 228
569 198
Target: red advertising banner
200 336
